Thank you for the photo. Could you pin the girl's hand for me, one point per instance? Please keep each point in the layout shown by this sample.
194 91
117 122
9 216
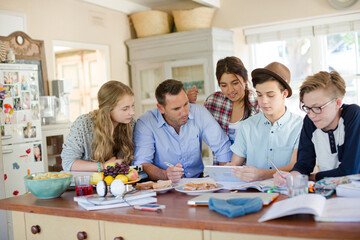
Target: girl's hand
114 160
192 94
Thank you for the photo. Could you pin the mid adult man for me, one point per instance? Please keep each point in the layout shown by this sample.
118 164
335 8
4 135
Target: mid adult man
168 139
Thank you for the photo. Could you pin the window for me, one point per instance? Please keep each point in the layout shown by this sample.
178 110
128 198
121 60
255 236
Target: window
309 47
295 54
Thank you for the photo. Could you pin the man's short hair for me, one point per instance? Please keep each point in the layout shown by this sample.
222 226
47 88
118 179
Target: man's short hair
170 86
331 82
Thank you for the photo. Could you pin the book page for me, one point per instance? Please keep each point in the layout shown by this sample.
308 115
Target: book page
89 206
341 210
303 204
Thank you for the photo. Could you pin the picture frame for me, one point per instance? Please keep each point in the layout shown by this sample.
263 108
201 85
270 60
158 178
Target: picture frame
29 51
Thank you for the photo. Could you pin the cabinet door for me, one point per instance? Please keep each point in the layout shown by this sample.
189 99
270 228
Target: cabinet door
136 232
148 77
54 227
191 72
216 235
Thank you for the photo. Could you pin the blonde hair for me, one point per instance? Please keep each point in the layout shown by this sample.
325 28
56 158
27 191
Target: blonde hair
107 141
331 82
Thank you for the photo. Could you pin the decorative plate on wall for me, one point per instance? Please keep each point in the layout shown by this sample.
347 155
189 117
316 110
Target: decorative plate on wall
342 4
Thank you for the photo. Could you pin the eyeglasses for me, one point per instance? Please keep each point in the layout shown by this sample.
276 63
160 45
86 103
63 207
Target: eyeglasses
316 110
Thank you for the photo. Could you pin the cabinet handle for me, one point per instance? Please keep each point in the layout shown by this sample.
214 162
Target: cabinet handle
6 137
7 151
81 235
119 238
35 229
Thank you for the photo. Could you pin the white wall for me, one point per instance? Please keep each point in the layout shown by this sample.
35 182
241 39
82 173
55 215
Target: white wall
239 13
76 21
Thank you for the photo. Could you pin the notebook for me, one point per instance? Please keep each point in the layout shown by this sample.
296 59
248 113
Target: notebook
331 210
203 199
348 190
222 173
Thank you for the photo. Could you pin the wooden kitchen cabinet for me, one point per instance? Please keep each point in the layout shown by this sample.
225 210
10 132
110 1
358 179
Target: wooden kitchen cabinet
136 232
53 227
217 235
56 227
63 218
189 56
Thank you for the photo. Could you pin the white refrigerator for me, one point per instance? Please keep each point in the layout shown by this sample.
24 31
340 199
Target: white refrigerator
20 125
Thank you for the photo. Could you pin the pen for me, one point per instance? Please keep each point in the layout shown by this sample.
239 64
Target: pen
275 167
172 165
149 209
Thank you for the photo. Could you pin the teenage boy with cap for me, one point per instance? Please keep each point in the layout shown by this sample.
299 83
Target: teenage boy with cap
273 133
330 133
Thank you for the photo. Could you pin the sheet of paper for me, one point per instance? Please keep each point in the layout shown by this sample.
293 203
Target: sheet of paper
303 204
341 209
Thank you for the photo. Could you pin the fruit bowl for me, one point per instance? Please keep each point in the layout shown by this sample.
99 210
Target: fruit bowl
49 187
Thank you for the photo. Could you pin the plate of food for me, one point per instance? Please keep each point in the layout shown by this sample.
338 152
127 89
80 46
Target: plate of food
133 181
199 187
161 186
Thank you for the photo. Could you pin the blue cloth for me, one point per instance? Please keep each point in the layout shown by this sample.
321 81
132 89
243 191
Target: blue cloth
156 142
256 139
235 207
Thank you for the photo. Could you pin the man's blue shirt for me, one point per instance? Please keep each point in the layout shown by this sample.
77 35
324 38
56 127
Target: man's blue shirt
157 142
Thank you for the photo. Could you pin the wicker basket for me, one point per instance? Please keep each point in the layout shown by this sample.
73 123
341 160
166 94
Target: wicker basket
151 23
196 18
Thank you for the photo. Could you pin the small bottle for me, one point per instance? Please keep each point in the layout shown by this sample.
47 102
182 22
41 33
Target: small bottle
11 56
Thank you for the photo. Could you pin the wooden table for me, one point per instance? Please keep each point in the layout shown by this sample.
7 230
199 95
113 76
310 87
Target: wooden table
177 216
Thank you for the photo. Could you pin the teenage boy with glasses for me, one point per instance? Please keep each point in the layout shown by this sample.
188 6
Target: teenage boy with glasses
330 136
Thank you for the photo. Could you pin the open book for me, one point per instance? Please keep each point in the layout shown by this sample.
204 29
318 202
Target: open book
95 202
331 210
262 186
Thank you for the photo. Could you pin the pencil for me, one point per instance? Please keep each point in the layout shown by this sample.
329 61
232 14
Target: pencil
275 167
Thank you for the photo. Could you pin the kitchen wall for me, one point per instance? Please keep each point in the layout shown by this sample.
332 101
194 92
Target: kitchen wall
240 13
76 21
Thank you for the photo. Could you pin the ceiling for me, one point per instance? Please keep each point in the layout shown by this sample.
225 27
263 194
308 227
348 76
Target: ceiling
131 6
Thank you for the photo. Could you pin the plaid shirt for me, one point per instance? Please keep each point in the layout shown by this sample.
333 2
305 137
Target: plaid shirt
221 107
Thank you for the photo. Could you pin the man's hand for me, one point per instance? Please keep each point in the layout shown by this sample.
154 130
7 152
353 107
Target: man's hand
174 173
192 94
248 173
280 180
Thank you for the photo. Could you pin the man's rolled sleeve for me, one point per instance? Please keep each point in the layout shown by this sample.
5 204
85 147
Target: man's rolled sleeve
144 143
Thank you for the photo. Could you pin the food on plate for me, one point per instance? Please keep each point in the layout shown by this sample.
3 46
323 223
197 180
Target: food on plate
144 185
111 164
132 175
115 169
122 177
96 177
50 175
108 180
162 184
204 184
